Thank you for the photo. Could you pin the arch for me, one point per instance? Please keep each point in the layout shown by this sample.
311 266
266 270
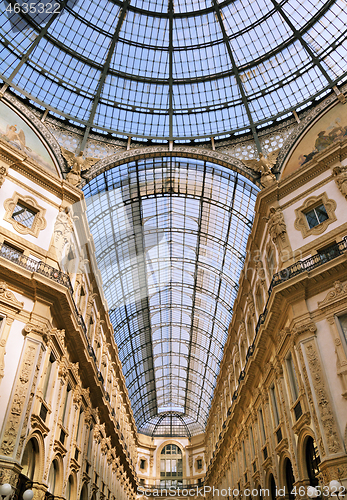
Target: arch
55 476
29 459
46 137
305 434
311 460
300 131
289 478
258 488
272 486
162 456
71 488
221 159
33 456
84 492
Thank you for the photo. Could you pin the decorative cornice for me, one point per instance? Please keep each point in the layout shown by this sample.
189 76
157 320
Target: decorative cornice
7 297
339 292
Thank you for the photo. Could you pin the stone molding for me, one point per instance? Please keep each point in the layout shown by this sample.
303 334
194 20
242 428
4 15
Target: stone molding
8 299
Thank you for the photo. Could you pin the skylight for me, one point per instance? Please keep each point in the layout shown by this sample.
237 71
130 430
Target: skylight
175 69
170 237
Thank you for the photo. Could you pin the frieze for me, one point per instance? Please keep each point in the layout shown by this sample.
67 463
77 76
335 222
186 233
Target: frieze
334 295
305 123
40 127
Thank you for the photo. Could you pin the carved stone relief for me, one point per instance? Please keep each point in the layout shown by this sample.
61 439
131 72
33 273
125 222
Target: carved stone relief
310 402
62 232
3 173
326 413
331 305
29 404
340 175
20 395
278 232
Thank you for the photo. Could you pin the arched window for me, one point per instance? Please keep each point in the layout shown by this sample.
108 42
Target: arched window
29 459
70 489
312 461
52 477
289 478
272 485
171 466
84 492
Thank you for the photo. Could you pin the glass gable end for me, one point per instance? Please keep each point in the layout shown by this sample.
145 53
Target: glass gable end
170 237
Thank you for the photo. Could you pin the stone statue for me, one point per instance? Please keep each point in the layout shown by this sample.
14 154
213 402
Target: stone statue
340 174
276 225
78 165
264 166
62 231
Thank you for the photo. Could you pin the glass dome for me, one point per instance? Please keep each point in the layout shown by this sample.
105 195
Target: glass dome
174 69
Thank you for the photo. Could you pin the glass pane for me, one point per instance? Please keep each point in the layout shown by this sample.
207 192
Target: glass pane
173 467
23 215
312 219
321 213
166 223
179 467
162 467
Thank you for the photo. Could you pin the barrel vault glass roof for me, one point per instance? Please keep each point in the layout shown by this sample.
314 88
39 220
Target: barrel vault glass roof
170 237
174 68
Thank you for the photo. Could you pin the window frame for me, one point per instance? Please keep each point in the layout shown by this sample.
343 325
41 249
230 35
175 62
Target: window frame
301 223
39 222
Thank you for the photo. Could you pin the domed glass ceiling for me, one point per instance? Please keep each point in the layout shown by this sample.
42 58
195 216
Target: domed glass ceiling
175 68
170 238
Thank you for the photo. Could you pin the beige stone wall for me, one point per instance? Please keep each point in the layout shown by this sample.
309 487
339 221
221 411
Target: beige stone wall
63 400
301 321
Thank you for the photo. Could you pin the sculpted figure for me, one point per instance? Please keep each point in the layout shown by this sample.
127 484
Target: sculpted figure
14 136
264 166
78 165
340 174
277 226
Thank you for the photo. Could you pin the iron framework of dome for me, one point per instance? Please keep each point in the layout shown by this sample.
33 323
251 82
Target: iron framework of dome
170 237
174 69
